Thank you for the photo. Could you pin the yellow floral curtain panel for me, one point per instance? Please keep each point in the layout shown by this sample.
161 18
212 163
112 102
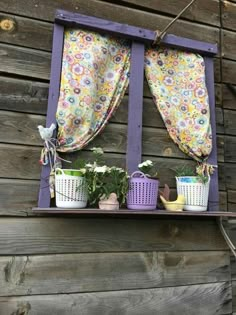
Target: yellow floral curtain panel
95 75
177 83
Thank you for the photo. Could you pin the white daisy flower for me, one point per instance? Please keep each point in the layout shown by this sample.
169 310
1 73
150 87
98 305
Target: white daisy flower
101 169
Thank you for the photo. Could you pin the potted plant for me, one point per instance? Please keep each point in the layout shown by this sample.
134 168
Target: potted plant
70 187
143 188
194 186
107 186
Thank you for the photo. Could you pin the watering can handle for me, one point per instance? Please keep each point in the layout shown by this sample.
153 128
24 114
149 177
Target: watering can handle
138 172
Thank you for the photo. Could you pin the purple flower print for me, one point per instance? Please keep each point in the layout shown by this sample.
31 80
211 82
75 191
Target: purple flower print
200 92
98 107
110 75
86 81
78 69
168 81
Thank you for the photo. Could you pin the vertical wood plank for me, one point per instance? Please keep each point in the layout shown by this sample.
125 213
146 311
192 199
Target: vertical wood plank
54 89
135 111
213 204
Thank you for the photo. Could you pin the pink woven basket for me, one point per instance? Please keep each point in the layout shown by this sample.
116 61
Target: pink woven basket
143 192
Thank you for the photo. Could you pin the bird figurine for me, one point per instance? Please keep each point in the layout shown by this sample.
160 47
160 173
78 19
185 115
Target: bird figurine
111 203
46 133
176 205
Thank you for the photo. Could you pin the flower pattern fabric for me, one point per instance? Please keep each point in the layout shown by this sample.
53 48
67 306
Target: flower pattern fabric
177 83
94 77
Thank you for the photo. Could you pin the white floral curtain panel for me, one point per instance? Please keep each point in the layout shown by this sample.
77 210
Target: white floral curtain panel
177 83
94 77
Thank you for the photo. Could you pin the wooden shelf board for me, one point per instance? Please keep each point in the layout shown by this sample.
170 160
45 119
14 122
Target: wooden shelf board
91 211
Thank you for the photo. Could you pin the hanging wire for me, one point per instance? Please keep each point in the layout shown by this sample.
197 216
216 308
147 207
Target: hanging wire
226 237
160 35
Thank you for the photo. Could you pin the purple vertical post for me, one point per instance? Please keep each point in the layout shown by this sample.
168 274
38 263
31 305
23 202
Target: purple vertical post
213 204
135 111
54 90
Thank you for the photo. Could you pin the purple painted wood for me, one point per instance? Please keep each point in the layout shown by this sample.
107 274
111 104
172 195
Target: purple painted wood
183 43
132 32
214 188
54 89
135 111
94 23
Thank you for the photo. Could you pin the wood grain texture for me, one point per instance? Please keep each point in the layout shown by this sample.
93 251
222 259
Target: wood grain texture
27 33
20 128
218 94
49 274
202 11
232 208
31 97
228 71
232 196
228 97
223 200
72 235
230 177
230 149
229 44
36 64
17 197
155 142
45 10
234 296
217 70
19 161
230 122
207 299
23 163
229 15
24 61
23 95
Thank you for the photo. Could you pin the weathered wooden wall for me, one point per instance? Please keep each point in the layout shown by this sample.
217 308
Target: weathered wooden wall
60 265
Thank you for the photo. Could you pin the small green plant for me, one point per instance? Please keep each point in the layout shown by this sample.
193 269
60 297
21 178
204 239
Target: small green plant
185 170
147 168
103 180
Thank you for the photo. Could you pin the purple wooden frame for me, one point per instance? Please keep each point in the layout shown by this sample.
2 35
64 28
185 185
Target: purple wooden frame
139 37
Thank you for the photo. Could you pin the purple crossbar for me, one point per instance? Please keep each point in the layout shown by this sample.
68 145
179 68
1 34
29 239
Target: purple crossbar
214 189
188 44
54 89
132 32
135 112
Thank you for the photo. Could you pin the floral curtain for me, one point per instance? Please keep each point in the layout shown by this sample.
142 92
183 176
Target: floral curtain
95 75
177 83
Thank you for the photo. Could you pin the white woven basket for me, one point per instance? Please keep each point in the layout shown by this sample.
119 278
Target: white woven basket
71 191
195 192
